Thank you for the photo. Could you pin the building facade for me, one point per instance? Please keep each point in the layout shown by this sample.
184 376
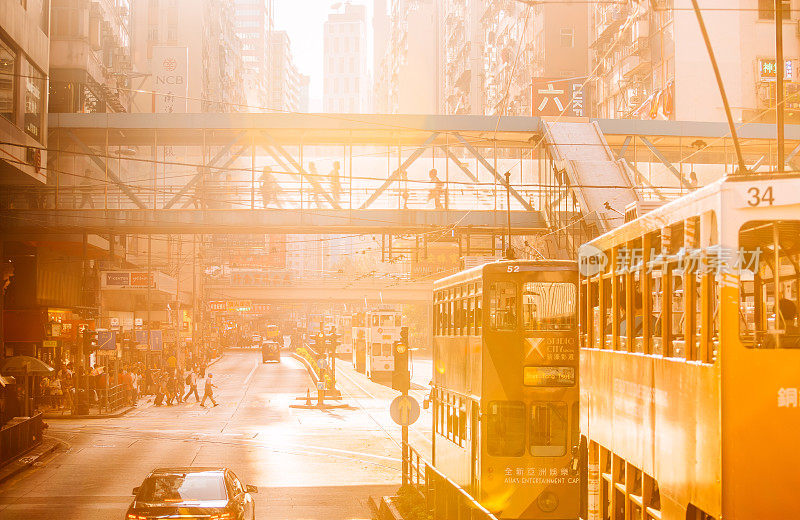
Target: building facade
90 56
285 81
653 64
193 38
24 68
497 54
254 23
347 87
407 75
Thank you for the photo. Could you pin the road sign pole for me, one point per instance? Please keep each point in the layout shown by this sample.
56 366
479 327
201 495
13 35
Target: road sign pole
404 440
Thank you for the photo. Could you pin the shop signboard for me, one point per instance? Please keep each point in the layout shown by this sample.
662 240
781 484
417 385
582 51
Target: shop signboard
156 341
106 339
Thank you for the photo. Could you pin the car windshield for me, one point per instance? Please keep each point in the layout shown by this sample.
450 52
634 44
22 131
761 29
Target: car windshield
183 487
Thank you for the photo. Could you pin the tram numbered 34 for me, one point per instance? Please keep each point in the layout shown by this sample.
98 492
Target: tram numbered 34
505 392
690 409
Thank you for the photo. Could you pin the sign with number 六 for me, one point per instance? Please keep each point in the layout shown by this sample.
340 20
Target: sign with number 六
404 410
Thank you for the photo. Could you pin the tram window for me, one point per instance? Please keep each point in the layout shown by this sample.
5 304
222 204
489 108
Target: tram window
470 316
478 316
503 305
656 304
677 301
713 311
387 320
769 275
505 429
549 429
376 349
606 314
548 306
387 350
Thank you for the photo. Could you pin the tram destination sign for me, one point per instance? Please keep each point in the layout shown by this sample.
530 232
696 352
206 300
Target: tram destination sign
548 376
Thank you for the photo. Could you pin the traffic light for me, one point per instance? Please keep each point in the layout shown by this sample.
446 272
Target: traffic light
401 377
89 341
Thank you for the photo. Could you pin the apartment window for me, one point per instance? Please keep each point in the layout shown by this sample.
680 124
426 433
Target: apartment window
567 37
766 9
172 34
34 100
8 60
352 65
152 33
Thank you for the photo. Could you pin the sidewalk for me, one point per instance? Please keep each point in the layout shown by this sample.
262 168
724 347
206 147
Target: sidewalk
31 458
144 402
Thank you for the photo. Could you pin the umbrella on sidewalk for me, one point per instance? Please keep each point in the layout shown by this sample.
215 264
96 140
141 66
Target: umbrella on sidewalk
25 364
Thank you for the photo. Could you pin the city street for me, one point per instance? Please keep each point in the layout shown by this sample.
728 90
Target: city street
306 463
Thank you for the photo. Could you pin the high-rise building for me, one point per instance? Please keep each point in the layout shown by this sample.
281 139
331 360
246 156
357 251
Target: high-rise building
346 76
407 77
305 93
495 53
24 66
254 22
90 56
186 57
285 80
652 63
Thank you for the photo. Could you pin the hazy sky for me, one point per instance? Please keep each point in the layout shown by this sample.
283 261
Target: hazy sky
303 20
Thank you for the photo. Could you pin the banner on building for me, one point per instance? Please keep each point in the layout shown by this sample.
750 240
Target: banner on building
559 97
170 68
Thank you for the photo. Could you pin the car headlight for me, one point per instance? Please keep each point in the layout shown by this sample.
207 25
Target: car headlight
547 501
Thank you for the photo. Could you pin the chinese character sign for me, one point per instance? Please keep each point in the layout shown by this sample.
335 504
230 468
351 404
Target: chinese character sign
768 69
170 67
558 96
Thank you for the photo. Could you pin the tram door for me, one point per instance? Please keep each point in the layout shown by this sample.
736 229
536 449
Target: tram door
475 449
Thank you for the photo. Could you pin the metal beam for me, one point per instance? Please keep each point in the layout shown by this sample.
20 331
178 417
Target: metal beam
497 176
665 162
758 163
194 180
107 169
328 291
403 167
624 147
30 222
230 161
301 171
642 179
461 166
793 153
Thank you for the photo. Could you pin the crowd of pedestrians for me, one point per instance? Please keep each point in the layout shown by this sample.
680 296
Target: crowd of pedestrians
80 391
169 386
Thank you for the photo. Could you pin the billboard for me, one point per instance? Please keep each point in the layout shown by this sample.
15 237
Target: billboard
560 96
170 68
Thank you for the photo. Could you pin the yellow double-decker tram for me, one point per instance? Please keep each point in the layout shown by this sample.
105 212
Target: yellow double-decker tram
505 390
690 357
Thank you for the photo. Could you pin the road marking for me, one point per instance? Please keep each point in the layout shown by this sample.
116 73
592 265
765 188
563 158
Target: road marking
250 375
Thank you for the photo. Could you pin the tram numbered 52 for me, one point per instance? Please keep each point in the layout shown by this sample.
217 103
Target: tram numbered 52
505 392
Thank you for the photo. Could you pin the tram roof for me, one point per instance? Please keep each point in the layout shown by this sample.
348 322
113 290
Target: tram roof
677 210
478 271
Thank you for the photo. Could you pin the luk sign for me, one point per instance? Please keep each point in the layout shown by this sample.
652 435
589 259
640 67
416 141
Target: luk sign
558 96
171 77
